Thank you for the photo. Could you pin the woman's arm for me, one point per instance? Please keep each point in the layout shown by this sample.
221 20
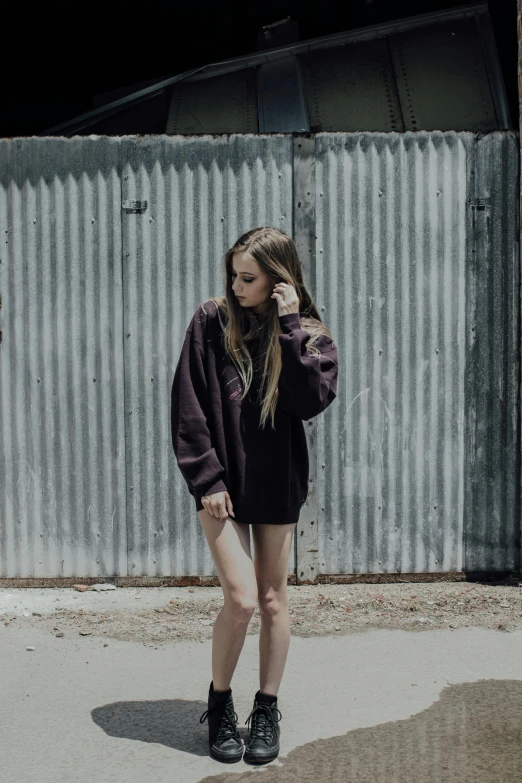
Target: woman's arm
195 455
307 384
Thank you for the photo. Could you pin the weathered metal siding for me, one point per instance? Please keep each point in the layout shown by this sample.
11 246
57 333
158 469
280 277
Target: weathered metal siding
393 273
414 468
492 461
62 458
202 193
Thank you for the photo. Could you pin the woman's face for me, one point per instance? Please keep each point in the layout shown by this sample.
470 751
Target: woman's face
250 283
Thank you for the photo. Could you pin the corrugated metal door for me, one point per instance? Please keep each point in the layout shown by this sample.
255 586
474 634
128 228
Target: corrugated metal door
419 280
202 193
62 455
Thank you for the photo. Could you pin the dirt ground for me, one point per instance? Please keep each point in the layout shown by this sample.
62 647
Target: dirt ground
315 610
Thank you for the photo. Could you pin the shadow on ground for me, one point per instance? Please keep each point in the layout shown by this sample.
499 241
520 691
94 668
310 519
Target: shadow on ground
171 722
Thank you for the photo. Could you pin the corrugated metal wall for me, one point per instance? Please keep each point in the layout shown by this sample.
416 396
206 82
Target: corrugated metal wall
424 306
417 269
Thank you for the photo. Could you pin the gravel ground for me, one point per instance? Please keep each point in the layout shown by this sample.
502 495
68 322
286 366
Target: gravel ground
315 610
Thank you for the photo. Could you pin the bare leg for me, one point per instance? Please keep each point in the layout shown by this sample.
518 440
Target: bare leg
229 543
272 544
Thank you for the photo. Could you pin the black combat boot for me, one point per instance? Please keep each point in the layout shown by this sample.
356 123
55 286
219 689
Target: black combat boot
263 742
223 737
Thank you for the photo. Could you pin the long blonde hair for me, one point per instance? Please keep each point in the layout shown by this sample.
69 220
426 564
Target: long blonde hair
276 254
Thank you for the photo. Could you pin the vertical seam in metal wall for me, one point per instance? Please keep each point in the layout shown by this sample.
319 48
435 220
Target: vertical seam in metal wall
518 458
122 162
468 369
304 232
296 564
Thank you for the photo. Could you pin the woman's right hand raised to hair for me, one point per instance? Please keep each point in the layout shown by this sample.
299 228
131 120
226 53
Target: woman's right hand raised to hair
218 505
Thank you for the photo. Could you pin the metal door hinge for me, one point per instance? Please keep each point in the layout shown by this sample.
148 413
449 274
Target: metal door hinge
134 207
479 203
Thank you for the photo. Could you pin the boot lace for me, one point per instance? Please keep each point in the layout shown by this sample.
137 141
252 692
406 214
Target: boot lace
228 725
263 723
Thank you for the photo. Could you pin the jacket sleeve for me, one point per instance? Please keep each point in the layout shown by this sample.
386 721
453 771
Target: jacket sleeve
191 438
307 384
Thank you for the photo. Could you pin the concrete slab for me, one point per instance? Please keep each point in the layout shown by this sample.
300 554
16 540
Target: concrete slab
378 706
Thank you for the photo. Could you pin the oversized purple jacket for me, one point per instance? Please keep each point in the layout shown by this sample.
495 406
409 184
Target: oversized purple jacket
215 434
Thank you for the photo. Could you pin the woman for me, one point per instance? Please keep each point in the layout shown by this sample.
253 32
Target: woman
254 364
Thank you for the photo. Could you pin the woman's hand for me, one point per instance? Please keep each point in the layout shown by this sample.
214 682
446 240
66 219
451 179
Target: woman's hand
286 298
217 505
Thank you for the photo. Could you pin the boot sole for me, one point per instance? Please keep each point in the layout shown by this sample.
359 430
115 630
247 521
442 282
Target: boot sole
226 758
261 759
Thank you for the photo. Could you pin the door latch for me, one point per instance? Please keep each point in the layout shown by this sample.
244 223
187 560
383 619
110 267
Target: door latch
134 207
480 203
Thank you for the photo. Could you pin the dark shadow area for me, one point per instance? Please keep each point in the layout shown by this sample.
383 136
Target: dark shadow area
84 53
170 722
472 734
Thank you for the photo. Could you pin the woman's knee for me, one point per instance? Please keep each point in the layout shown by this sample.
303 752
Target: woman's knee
272 603
241 604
